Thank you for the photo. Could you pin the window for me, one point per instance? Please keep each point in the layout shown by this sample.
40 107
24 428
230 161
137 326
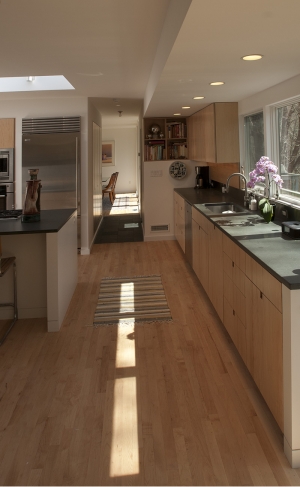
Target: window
288 123
254 140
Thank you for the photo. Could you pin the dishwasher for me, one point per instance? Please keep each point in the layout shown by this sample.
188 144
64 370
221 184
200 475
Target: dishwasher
188 233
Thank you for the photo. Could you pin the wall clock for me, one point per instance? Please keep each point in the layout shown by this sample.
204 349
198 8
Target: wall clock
177 170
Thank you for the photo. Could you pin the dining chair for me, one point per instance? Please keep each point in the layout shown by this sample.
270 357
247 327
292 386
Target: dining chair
110 188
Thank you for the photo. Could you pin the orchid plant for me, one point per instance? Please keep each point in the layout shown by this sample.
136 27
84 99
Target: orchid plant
265 172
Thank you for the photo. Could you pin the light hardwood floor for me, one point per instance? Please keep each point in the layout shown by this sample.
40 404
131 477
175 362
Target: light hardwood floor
160 404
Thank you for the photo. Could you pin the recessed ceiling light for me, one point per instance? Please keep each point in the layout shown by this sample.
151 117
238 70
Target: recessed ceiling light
176 113
184 108
31 78
198 97
252 57
217 83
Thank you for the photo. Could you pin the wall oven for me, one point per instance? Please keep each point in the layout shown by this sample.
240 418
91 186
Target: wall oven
7 165
7 178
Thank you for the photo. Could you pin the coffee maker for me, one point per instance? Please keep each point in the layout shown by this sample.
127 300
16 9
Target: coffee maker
202 177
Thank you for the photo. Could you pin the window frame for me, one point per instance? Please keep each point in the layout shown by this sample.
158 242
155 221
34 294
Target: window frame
273 132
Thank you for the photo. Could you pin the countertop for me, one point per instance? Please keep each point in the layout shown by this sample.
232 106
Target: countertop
51 221
276 252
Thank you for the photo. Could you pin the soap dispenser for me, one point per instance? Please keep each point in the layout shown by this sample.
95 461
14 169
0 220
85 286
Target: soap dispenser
253 203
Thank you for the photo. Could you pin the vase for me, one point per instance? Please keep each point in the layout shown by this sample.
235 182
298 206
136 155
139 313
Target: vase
268 216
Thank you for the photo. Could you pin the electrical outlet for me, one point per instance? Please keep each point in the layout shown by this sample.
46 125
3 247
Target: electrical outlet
156 174
284 212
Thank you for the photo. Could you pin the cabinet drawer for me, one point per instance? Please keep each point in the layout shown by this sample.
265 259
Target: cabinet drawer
179 205
236 254
265 282
201 220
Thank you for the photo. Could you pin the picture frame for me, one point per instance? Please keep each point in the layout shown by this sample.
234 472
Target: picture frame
108 153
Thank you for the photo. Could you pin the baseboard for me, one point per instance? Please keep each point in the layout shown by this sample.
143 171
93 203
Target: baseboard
85 251
158 238
293 456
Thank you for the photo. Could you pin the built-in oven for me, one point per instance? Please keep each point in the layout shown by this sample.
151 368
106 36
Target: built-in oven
7 165
7 196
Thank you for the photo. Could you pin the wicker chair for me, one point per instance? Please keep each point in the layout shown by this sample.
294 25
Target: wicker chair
110 188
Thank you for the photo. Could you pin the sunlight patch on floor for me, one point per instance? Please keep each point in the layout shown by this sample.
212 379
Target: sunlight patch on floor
124 458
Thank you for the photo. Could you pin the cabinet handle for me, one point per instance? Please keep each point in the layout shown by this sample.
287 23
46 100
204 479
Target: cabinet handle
232 264
233 312
261 295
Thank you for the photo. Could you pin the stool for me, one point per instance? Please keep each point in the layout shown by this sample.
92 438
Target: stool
5 264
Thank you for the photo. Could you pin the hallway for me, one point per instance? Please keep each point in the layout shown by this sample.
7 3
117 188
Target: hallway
167 403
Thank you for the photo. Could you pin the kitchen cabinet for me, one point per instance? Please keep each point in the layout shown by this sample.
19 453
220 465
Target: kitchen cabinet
253 319
207 259
7 133
179 220
213 135
215 268
265 344
234 319
200 247
169 143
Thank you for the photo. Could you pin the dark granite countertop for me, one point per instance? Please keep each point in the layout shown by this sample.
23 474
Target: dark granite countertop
276 252
51 221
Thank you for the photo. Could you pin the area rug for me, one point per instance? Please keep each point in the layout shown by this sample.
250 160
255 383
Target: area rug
127 300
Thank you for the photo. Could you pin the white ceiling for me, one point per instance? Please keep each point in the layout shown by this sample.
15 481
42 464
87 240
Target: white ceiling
110 49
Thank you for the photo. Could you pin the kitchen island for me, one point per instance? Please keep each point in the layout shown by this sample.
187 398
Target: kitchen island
252 277
46 258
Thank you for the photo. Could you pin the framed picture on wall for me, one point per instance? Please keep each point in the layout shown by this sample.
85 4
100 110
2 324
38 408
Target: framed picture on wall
108 153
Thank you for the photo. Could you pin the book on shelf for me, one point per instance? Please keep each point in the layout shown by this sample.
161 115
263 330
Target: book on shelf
178 150
176 130
154 152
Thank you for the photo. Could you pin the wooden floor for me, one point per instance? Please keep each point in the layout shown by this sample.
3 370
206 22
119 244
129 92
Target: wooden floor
158 404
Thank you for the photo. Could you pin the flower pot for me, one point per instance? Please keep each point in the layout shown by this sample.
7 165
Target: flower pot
267 210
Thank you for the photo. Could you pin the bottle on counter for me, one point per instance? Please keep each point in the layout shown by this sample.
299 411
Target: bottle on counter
253 204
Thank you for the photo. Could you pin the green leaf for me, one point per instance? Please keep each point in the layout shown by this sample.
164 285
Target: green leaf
262 203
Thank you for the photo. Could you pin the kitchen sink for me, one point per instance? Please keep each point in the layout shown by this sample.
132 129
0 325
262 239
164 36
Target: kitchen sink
222 207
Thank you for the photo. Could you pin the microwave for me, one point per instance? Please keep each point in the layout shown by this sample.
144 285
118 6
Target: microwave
7 165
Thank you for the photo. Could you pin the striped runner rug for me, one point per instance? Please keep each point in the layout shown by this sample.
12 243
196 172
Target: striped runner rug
128 300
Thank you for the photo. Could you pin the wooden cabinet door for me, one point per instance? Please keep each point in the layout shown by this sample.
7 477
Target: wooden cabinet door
196 248
215 278
179 220
7 133
227 132
265 354
208 134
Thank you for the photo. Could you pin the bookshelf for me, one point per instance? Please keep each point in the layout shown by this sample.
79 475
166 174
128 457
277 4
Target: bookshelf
170 140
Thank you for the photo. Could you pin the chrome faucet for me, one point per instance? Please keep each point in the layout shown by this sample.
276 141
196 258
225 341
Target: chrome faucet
246 197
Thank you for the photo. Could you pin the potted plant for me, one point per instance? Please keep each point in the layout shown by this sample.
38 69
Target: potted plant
265 172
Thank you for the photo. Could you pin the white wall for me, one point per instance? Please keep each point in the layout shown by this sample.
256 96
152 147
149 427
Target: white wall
94 115
126 144
158 193
50 107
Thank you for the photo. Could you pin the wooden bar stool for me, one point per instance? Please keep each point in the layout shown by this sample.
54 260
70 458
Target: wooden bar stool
5 264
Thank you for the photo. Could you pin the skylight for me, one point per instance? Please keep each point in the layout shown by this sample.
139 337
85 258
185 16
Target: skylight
36 83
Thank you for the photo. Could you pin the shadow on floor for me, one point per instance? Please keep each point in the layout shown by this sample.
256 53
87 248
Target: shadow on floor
120 228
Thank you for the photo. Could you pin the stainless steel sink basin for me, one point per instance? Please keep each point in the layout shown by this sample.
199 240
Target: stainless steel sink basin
222 207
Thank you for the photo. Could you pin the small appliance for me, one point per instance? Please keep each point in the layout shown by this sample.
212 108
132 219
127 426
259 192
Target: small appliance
202 177
291 229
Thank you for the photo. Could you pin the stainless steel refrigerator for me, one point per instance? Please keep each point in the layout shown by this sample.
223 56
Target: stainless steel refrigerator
53 146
